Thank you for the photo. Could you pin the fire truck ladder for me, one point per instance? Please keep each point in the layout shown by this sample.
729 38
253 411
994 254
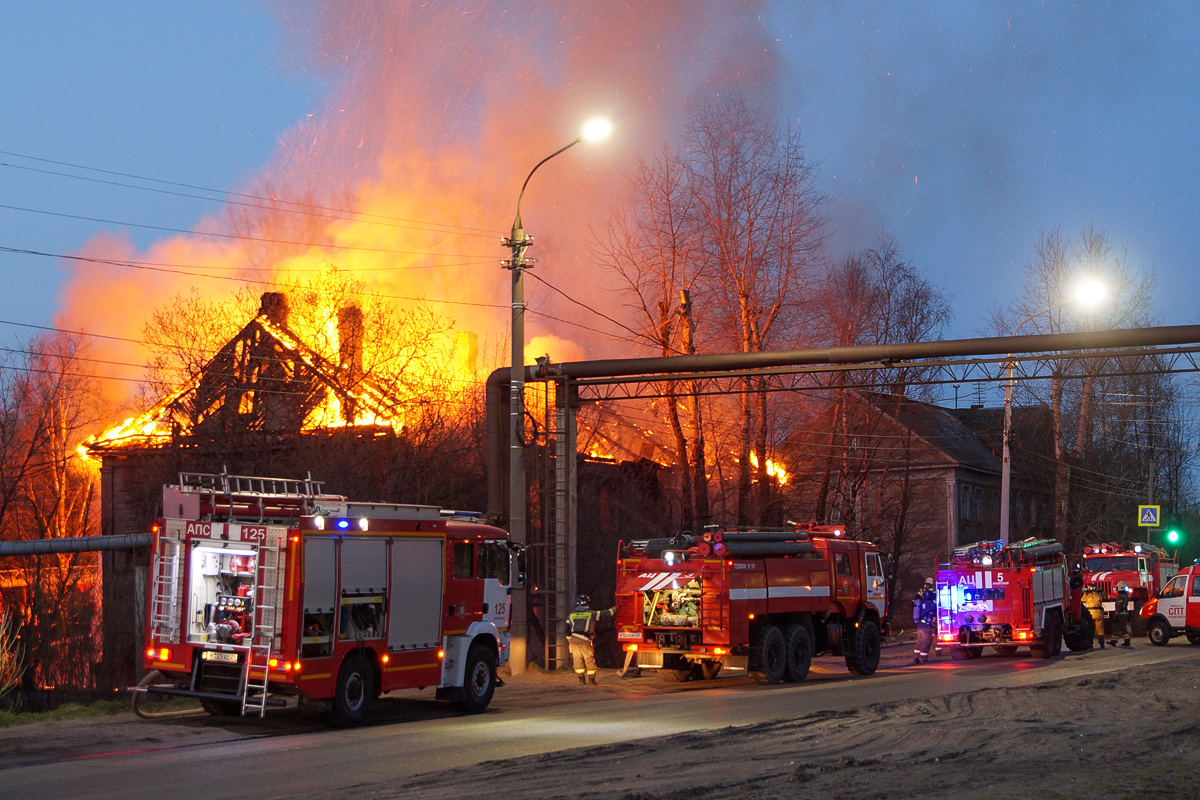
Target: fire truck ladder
267 579
164 611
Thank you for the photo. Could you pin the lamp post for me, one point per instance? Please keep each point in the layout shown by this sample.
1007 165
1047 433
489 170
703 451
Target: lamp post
518 242
1087 293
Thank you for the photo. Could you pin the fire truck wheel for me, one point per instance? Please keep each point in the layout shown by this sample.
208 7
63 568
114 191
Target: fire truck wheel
355 688
1084 638
1052 636
1006 649
219 708
961 653
1159 633
799 648
710 669
480 680
862 658
772 655
1193 638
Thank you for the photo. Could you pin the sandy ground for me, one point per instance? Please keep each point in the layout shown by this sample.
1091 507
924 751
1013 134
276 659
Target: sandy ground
1133 734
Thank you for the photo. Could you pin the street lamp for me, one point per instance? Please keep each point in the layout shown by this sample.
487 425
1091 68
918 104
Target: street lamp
1088 293
518 243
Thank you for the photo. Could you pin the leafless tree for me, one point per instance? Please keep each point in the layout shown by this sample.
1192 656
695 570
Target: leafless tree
1044 306
758 212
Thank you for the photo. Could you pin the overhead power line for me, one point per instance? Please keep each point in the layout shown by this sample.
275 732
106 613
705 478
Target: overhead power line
308 209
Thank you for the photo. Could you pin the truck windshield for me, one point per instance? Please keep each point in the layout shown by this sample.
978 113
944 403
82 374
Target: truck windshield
1098 564
1124 563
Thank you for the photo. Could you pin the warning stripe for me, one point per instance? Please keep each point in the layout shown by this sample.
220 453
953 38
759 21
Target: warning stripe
663 580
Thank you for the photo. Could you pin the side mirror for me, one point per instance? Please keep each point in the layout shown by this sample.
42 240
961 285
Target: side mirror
516 567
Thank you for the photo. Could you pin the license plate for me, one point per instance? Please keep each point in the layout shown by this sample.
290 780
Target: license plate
217 655
629 635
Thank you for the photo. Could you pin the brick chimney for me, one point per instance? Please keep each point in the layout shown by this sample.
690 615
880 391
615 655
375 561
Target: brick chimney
350 344
274 306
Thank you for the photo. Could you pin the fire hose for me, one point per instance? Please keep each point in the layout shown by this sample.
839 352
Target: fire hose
141 690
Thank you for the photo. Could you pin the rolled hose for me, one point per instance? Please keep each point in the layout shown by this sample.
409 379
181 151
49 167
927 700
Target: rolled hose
140 692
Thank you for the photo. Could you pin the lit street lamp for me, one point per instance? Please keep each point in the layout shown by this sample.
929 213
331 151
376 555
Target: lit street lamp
1087 294
519 242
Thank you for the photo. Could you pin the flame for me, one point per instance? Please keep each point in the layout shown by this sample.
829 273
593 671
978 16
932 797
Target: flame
774 469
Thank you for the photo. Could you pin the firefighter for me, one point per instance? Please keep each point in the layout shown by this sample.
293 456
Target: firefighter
1121 617
1094 604
581 633
925 615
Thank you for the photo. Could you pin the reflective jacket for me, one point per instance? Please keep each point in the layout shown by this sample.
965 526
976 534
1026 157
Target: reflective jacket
582 624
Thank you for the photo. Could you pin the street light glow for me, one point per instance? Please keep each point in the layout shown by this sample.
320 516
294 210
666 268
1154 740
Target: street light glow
1091 292
596 128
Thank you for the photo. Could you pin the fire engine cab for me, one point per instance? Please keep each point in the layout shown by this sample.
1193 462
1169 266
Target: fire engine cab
1143 567
1176 610
262 588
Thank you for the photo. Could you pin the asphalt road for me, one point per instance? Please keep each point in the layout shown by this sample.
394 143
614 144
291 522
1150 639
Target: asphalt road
422 737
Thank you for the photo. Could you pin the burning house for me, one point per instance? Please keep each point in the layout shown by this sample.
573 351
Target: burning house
268 403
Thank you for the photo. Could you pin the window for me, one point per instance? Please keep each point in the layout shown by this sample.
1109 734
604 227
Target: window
842 563
964 503
1175 587
493 562
1196 586
1124 564
462 560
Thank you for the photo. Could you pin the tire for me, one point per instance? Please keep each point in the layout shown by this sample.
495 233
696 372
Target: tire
675 675
1085 637
1159 632
1052 636
961 653
710 669
772 655
1193 638
1006 649
479 680
355 688
865 648
797 643
221 708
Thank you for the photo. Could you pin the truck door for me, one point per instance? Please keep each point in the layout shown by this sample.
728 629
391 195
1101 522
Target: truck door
848 586
876 583
1193 603
1172 602
495 571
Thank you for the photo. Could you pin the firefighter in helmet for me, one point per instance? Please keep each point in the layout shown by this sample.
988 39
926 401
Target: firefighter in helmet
1121 617
581 634
1094 604
925 615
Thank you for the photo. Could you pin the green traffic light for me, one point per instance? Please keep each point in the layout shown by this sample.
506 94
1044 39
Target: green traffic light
1173 536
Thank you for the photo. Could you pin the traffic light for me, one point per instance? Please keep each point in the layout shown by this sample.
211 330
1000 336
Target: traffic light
1174 531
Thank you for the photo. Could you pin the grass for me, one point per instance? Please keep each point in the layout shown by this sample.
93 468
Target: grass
100 708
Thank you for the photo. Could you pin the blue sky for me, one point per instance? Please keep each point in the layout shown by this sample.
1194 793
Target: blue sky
965 129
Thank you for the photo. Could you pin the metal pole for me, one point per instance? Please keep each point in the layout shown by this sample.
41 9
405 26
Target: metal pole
517 657
1006 461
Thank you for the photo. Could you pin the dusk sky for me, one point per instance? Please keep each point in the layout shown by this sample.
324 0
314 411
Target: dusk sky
964 129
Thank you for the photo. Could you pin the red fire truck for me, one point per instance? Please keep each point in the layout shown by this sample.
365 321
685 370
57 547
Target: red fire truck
1143 567
262 588
763 600
1176 609
1010 596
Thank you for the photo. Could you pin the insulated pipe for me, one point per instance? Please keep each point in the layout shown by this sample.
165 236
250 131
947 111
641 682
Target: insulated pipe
985 346
78 544
1001 346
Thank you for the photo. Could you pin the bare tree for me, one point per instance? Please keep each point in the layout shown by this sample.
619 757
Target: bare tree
1058 264
758 213
653 247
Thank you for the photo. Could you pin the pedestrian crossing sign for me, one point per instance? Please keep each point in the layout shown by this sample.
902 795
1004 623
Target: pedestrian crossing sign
1148 516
